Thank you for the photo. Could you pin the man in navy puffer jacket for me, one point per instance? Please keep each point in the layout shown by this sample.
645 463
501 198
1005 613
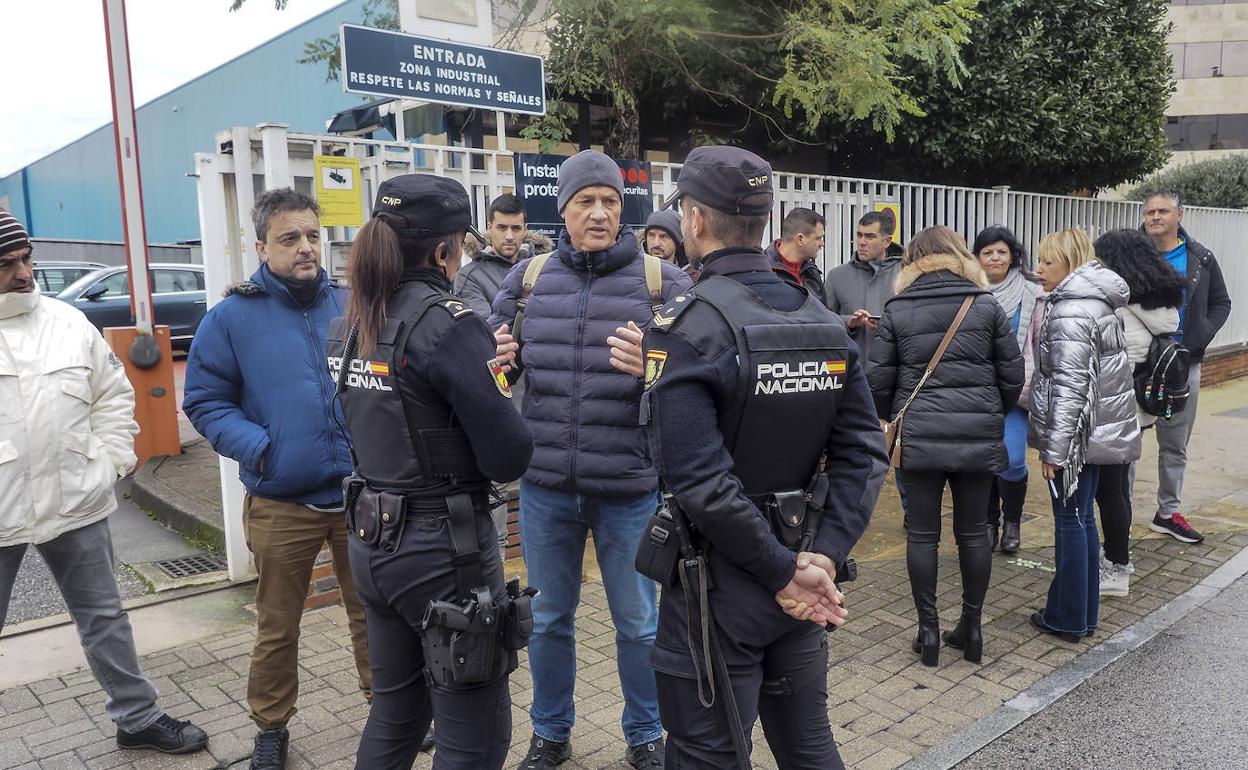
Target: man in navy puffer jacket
590 470
258 388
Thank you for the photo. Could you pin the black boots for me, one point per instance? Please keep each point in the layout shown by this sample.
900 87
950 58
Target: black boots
967 636
1013 494
927 644
1011 538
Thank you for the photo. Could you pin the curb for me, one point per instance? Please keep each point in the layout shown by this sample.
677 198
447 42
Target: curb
1061 682
166 504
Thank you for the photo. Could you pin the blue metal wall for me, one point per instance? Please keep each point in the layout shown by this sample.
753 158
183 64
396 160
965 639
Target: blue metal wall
73 193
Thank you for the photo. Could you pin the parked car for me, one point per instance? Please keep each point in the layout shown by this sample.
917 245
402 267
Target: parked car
178 298
53 275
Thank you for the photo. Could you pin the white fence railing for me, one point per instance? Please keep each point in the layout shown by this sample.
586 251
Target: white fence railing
286 158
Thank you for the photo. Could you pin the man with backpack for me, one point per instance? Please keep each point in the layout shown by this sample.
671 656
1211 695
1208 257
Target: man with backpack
577 314
1206 306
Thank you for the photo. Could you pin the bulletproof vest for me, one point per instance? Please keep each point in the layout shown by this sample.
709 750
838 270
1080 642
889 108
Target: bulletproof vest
792 370
404 434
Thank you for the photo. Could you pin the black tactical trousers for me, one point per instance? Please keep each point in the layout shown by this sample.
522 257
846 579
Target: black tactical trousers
796 723
474 721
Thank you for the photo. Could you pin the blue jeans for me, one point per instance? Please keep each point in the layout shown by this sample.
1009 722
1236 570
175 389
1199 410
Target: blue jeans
1015 445
1074 602
553 526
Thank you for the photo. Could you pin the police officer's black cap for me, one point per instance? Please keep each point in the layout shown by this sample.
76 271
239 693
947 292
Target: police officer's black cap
728 179
431 205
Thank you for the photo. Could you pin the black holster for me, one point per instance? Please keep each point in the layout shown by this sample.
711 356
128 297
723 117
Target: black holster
475 638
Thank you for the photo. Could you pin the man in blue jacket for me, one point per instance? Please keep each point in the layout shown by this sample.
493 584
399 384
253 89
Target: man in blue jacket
590 470
258 389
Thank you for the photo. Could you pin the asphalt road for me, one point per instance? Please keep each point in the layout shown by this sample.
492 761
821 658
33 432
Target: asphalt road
136 539
1179 701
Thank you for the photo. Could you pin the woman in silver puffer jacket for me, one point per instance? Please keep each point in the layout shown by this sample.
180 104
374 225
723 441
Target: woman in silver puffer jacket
1082 416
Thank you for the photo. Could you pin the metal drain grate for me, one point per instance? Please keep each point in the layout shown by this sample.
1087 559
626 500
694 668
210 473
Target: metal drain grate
189 566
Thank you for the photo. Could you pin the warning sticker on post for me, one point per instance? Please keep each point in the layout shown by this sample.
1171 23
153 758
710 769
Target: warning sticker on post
337 186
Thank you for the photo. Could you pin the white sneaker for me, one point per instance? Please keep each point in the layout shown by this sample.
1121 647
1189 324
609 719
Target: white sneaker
1115 579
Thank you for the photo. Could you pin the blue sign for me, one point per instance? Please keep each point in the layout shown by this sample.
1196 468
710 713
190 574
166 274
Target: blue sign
537 184
383 63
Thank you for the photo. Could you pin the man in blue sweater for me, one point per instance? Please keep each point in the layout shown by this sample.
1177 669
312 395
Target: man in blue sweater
258 389
590 471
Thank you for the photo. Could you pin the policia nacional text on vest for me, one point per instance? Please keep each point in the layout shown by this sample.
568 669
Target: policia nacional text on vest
791 369
431 472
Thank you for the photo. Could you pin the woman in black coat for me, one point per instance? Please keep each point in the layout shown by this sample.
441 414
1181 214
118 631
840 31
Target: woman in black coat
952 431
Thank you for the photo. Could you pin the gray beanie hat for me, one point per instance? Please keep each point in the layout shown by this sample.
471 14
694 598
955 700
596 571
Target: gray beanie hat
667 220
585 169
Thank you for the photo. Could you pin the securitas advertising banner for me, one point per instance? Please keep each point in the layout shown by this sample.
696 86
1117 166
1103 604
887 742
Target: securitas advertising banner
537 183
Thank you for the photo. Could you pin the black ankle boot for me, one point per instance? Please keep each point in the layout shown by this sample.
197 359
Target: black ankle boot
1013 495
994 536
927 644
1011 537
967 637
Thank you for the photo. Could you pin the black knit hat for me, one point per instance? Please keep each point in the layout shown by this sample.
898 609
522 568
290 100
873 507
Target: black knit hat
13 236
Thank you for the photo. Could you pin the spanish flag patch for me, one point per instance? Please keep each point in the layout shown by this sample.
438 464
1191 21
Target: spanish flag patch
379 369
835 367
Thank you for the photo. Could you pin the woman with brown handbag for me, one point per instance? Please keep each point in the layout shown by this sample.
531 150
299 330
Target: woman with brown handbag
945 368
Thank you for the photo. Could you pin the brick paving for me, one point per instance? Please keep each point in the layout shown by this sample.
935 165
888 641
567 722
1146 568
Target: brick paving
885 707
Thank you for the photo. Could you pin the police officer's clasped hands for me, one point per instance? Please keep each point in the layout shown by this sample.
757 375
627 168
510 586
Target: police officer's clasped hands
812 593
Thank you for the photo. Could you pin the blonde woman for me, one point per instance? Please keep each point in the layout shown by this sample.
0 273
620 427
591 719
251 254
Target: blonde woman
954 419
1082 417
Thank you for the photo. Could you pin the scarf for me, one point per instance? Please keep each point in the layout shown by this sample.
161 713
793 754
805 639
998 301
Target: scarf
15 303
1009 292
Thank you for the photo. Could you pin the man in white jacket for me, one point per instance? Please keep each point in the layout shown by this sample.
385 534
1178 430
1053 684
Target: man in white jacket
66 433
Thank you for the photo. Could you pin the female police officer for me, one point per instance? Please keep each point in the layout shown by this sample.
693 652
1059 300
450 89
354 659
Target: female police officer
428 406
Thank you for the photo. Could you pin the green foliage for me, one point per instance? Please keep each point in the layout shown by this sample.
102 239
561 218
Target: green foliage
1059 95
796 67
382 14
843 58
1219 182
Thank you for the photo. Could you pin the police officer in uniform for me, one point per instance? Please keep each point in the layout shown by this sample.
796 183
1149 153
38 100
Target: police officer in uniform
763 430
425 395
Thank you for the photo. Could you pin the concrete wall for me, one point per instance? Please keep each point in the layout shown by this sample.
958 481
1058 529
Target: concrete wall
73 193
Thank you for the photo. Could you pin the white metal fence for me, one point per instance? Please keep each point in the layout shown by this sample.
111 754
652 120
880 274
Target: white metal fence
277 158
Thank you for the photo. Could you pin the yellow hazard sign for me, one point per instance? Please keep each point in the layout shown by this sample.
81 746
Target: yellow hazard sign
896 209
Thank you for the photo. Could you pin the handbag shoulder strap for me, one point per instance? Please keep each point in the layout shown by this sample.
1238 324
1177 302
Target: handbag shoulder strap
940 350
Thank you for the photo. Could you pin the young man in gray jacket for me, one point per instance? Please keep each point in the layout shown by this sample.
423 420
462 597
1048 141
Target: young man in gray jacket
857 290
478 281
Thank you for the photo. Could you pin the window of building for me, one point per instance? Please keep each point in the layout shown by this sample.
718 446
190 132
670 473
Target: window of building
1235 59
1207 132
1202 60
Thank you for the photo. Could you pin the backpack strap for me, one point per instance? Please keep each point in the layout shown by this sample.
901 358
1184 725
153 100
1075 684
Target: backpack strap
654 281
527 282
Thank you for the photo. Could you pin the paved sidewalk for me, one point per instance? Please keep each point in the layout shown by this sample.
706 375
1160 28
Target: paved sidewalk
885 707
